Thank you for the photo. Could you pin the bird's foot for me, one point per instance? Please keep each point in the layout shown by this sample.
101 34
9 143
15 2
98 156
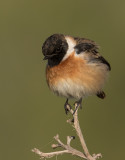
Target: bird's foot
67 108
77 105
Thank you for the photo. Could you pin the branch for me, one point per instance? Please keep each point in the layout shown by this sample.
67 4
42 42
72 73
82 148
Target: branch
66 147
80 135
48 155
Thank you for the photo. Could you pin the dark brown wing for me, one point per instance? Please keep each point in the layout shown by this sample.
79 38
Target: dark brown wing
91 48
85 40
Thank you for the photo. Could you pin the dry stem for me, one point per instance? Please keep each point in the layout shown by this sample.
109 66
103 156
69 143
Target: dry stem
67 148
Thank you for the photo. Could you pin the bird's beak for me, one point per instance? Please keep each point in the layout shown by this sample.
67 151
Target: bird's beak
47 57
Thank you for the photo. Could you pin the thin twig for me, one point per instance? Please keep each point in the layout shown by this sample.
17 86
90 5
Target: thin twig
80 135
79 132
50 154
67 148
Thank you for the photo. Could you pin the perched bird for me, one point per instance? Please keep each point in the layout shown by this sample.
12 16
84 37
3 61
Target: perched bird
75 69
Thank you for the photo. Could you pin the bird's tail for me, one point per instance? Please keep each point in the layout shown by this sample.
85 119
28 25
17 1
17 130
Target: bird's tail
101 94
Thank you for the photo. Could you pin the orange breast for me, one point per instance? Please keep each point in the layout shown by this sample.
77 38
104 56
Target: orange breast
68 68
79 72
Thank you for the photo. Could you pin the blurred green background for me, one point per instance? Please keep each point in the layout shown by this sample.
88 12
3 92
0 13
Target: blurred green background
30 115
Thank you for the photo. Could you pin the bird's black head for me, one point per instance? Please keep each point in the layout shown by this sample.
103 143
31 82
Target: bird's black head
54 49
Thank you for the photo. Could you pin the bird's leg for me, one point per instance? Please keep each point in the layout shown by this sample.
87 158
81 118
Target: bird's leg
79 104
65 106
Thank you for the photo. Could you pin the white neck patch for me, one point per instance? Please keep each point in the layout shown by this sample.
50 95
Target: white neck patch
71 45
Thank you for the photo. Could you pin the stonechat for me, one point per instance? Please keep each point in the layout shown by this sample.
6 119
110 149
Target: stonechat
75 69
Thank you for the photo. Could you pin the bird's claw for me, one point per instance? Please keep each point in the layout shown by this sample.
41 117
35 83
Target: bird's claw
66 108
78 104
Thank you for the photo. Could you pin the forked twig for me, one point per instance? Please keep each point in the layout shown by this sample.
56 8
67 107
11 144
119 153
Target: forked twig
66 147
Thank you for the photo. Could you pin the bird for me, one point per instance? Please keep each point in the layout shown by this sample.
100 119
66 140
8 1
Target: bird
75 68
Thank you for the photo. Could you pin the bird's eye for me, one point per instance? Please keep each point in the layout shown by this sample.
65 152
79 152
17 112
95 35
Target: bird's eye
58 49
